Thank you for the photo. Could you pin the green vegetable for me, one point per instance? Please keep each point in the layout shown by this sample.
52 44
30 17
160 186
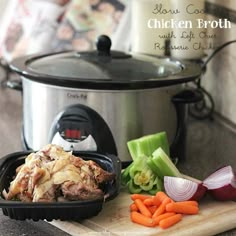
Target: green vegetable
133 188
153 191
164 164
150 164
141 175
146 145
158 186
155 169
125 176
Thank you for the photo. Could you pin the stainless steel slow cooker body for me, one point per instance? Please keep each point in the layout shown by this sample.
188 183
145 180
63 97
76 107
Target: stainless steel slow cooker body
129 113
134 94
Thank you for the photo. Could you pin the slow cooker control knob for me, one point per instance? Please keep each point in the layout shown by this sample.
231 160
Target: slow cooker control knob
103 45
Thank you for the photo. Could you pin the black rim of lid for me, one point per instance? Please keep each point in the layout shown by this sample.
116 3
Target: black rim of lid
190 71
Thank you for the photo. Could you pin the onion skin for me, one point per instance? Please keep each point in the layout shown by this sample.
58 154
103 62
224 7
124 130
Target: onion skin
225 193
200 193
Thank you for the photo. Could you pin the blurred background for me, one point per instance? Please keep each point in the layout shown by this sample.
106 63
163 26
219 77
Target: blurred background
30 26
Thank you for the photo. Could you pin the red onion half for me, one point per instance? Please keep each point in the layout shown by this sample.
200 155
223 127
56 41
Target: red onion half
180 189
222 184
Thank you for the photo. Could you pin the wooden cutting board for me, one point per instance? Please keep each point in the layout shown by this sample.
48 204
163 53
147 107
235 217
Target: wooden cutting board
214 217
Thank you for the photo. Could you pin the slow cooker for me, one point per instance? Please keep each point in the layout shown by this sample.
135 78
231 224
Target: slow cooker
98 100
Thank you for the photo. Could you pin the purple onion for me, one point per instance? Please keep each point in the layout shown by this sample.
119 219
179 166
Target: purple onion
181 189
222 184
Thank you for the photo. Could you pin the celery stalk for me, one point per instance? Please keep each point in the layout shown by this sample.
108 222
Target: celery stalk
146 145
141 176
154 168
164 164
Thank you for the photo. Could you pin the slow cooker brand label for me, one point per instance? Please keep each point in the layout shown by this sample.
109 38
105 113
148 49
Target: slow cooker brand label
80 96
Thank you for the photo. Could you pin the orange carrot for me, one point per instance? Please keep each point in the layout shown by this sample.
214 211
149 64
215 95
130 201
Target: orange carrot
161 196
156 201
167 222
159 210
138 218
142 208
181 208
192 203
148 201
162 208
133 207
157 219
139 196
152 209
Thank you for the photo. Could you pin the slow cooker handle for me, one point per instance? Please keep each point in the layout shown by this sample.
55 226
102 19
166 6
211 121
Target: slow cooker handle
103 45
14 84
180 100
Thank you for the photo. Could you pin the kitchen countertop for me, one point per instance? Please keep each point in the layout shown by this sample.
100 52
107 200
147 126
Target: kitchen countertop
210 145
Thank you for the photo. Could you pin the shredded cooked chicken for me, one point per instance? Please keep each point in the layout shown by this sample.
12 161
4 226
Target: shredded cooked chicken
52 173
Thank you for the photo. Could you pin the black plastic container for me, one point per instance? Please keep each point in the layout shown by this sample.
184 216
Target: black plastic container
69 210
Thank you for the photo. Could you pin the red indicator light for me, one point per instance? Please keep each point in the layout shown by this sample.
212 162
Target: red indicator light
72 134
78 135
67 133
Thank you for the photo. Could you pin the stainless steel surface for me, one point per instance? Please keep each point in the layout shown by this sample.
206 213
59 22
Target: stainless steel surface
129 114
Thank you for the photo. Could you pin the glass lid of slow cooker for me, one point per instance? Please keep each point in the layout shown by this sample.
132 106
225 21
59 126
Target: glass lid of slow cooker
114 67
105 69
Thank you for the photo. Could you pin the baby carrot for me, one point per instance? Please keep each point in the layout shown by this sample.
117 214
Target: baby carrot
156 201
138 218
152 209
133 207
148 201
192 203
142 208
157 219
142 197
181 208
161 196
167 222
162 208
